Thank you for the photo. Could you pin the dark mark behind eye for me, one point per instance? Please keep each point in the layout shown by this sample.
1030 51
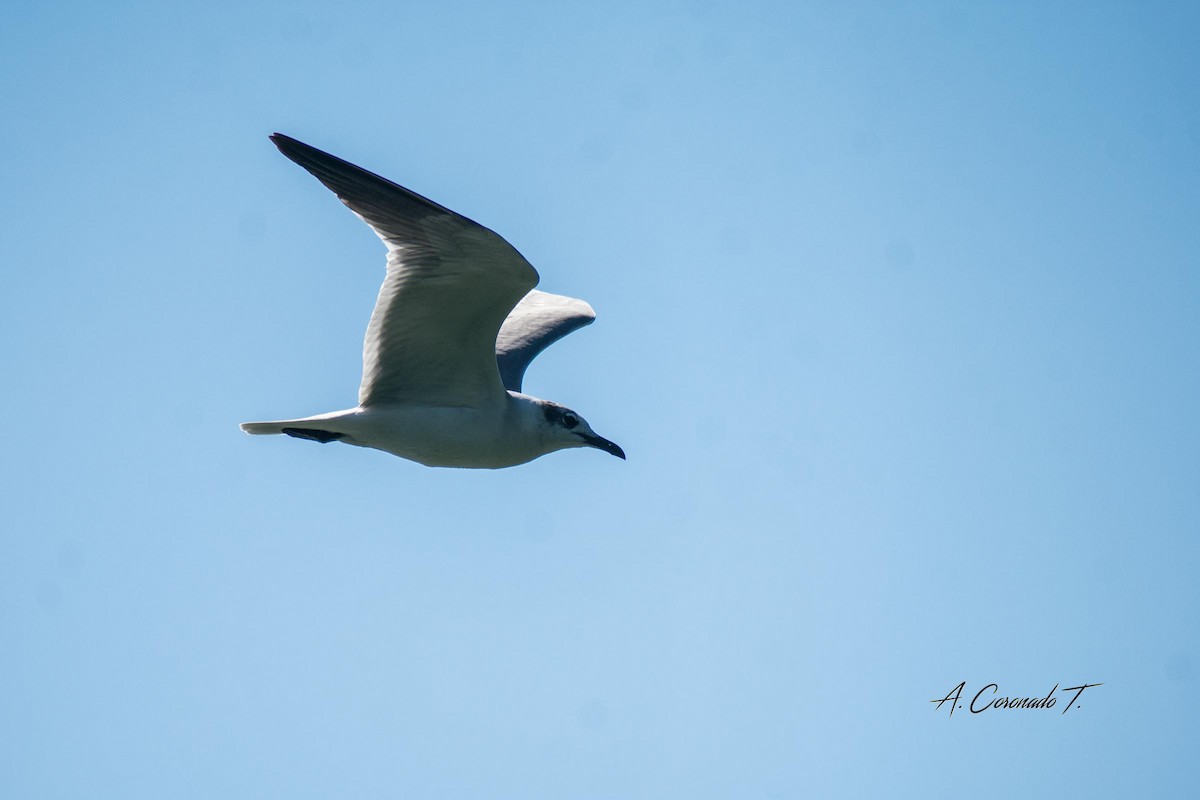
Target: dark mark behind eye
556 415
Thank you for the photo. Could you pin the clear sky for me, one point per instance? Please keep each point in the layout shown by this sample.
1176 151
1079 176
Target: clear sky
897 321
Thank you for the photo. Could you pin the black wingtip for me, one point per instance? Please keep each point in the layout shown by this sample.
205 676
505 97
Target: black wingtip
311 157
286 143
357 187
318 162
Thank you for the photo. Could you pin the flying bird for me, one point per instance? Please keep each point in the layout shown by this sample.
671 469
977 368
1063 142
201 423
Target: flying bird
456 324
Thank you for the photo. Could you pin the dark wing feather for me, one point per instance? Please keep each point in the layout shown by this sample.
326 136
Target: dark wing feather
538 321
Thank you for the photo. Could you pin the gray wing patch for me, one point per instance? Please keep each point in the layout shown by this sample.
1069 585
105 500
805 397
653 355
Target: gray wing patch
450 282
537 322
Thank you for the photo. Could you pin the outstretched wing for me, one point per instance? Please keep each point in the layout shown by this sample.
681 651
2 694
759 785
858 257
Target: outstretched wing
450 284
538 321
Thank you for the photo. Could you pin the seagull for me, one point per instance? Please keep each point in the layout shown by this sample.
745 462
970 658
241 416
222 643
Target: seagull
456 324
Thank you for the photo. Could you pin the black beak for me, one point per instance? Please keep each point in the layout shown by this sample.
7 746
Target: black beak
600 443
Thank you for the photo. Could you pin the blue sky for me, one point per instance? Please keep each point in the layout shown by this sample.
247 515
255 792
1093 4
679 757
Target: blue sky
897 322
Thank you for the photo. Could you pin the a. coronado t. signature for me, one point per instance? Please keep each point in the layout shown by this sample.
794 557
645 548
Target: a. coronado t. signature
987 698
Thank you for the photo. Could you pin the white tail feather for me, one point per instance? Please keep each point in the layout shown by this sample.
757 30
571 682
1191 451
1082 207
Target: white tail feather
265 428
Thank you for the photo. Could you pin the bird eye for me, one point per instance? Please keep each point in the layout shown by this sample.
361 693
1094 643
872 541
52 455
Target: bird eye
570 420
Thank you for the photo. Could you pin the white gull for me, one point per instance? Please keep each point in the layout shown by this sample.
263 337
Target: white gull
456 324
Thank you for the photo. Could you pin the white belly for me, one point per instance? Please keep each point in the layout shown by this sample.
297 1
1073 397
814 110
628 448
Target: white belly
439 437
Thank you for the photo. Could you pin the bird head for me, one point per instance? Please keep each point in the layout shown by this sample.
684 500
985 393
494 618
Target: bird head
564 428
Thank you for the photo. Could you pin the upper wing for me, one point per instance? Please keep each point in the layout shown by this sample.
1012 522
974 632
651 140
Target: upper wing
538 321
450 283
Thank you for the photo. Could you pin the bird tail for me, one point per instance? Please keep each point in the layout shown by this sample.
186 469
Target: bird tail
316 429
266 428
